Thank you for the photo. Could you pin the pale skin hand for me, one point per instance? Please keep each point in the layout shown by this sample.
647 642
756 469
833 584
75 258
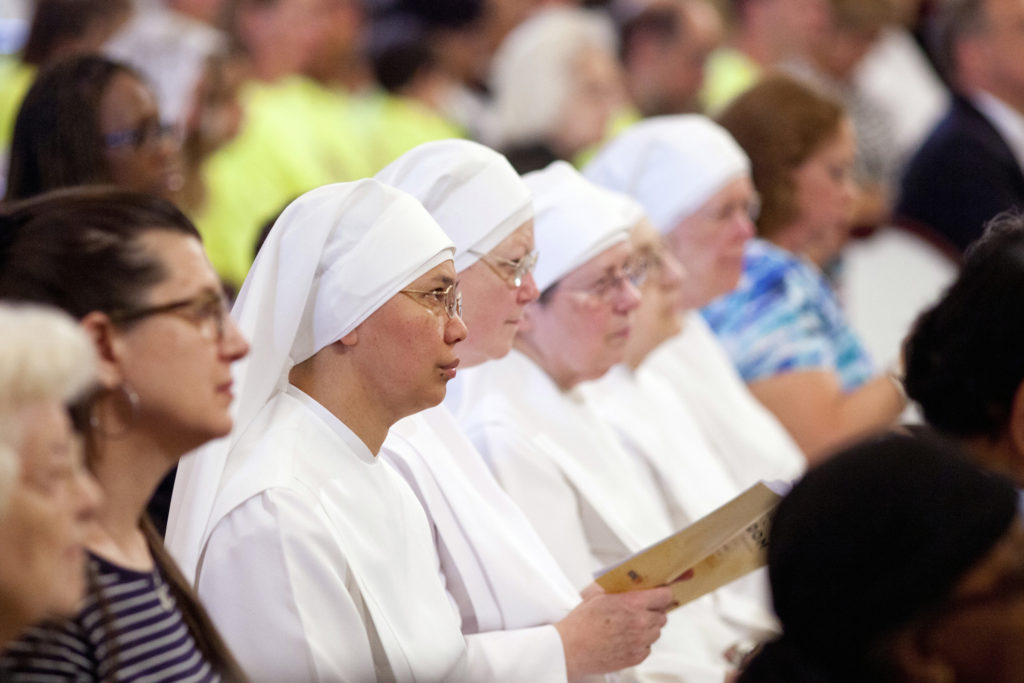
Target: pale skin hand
811 405
609 632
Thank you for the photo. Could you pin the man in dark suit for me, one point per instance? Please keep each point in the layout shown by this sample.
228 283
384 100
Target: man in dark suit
969 168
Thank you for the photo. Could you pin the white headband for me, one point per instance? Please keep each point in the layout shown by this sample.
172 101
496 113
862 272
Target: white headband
334 257
470 190
672 165
575 220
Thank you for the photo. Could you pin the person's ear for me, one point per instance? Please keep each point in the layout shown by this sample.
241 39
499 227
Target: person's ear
109 348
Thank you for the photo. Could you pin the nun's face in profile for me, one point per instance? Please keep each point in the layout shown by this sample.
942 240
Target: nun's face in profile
492 304
659 316
978 633
709 242
581 331
407 346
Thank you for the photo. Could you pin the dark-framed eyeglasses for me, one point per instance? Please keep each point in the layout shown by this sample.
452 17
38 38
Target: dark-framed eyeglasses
448 299
208 312
149 133
502 267
609 286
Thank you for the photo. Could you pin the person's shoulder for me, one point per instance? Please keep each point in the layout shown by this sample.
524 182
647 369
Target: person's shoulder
767 266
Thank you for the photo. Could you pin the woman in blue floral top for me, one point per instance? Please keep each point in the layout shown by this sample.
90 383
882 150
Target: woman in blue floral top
783 325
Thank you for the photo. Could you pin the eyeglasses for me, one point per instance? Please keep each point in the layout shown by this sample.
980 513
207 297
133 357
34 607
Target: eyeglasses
447 299
208 312
520 267
148 134
751 208
606 288
651 259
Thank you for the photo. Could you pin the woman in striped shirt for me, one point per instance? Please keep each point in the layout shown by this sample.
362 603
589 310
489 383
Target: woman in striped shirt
132 270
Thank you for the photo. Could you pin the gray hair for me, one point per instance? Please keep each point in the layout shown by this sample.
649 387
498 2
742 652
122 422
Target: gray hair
532 69
44 356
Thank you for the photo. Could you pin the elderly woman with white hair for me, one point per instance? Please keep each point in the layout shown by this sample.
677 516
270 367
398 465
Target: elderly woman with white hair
522 617
314 557
554 456
694 183
556 84
46 496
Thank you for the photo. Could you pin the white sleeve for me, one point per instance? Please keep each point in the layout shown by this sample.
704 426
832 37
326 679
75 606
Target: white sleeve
278 587
526 655
544 495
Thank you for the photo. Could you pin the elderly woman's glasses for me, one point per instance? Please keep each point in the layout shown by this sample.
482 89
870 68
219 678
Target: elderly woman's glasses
208 312
608 287
447 299
504 268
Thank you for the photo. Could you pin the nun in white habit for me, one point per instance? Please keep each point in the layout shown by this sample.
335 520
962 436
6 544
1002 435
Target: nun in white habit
522 617
587 498
693 181
313 557
656 427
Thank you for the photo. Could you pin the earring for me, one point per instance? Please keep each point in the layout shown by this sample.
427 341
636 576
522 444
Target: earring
130 398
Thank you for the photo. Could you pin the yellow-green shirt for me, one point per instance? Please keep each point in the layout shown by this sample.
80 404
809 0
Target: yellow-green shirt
15 80
728 73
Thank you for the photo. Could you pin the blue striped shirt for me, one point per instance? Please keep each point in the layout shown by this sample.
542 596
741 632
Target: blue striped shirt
784 316
129 629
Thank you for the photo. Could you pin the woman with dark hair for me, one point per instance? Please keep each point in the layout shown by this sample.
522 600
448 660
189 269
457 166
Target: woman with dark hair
131 269
90 120
59 29
896 561
783 326
963 358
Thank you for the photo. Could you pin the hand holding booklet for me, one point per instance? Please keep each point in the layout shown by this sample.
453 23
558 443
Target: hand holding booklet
713 551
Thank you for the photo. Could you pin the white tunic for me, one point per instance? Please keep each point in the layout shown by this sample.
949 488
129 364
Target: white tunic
749 441
508 588
327 573
587 499
655 427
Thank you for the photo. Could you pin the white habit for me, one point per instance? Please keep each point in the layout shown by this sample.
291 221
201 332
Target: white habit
656 428
313 557
586 498
300 578
749 440
508 588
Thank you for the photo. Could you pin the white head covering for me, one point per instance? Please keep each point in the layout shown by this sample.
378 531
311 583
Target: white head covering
334 256
470 190
531 73
670 164
575 220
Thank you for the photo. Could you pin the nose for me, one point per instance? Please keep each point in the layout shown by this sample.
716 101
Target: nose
88 495
744 226
528 291
234 345
672 271
455 330
628 297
